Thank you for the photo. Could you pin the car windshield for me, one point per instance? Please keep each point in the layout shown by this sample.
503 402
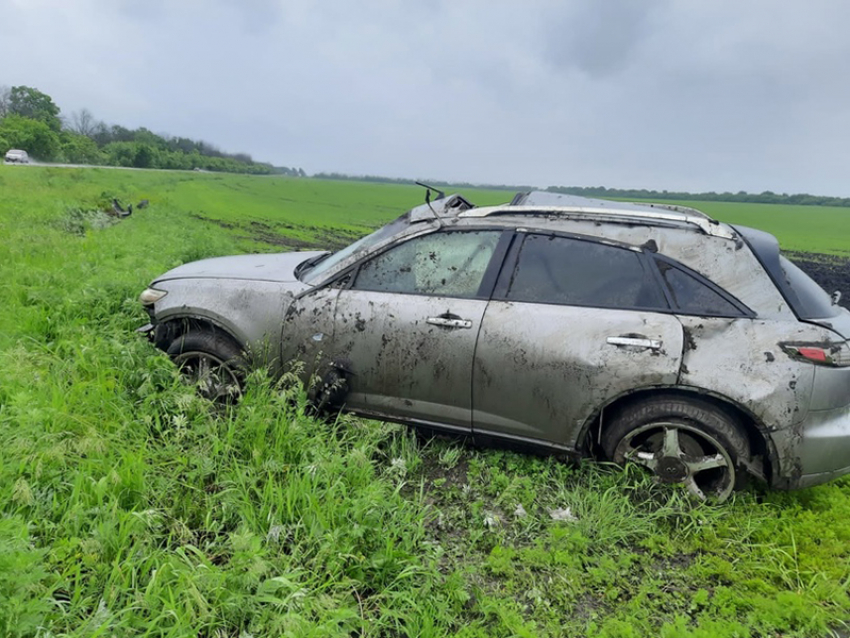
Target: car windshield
314 273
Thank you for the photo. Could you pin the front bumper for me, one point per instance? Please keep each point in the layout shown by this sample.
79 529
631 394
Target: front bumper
159 334
816 451
146 330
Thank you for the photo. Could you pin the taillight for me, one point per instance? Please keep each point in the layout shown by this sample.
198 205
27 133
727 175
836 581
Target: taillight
836 355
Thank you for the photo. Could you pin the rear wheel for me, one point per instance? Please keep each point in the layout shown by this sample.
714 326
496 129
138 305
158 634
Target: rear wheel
688 441
212 362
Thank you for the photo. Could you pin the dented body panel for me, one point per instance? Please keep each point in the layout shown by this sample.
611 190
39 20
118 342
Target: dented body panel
250 311
542 370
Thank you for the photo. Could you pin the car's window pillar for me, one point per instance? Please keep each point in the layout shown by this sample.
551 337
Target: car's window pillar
662 263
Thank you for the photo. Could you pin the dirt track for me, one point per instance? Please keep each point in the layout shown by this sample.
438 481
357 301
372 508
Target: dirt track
830 271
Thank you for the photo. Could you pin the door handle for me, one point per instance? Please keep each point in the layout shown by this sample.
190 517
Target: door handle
636 342
449 321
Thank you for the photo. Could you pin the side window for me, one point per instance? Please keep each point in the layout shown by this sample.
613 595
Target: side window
562 270
691 296
450 264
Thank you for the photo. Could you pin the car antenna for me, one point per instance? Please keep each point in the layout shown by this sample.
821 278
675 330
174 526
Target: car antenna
440 194
428 189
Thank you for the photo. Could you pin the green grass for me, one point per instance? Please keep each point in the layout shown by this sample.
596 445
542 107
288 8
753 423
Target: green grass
129 507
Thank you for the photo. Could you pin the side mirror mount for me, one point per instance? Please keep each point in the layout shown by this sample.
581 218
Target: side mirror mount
836 297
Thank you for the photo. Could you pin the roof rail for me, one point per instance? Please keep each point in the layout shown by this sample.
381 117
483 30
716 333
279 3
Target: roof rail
682 215
675 208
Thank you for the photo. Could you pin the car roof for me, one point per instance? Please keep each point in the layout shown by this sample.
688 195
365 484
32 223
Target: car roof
573 207
686 235
562 207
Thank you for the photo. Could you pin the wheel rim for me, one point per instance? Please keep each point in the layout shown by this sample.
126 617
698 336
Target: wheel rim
214 379
678 453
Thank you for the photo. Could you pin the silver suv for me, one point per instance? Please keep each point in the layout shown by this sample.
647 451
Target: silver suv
631 332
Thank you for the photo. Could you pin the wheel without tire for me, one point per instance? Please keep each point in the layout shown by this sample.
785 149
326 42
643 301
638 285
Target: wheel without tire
689 441
212 362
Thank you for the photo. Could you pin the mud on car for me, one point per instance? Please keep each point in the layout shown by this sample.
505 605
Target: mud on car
629 332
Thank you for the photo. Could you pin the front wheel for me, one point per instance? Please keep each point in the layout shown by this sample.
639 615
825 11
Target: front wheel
212 362
688 441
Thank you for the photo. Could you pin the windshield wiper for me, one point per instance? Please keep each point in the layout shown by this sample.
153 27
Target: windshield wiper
308 264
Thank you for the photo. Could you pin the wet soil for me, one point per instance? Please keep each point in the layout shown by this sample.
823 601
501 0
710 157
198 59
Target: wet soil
280 234
831 272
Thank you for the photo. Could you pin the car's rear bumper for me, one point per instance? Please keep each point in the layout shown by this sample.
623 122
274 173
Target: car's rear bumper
817 450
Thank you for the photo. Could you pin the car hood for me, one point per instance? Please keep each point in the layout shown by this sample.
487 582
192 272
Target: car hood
277 267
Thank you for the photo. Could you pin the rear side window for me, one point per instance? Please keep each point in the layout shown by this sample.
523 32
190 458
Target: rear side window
563 270
813 301
693 297
806 298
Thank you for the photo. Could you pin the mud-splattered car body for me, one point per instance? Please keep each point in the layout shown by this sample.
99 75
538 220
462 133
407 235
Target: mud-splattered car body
534 321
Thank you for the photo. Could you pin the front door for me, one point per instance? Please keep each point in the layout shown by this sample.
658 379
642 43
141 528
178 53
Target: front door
407 327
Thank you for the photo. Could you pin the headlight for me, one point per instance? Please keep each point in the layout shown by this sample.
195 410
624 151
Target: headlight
151 295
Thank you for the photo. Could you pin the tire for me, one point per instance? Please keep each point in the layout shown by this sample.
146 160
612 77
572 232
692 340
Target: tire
211 361
680 440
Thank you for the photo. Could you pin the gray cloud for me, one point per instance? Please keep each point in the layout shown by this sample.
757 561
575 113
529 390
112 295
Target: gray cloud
662 94
599 38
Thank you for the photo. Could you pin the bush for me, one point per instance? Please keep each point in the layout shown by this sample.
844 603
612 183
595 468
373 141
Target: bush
34 137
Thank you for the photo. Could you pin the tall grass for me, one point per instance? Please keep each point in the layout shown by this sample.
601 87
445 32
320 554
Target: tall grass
131 507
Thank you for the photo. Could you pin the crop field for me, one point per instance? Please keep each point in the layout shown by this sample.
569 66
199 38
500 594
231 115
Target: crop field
130 507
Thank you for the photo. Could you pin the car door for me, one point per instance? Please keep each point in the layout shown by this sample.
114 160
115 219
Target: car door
406 327
572 324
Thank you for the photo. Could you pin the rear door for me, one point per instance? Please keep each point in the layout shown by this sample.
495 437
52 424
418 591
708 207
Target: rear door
408 324
572 324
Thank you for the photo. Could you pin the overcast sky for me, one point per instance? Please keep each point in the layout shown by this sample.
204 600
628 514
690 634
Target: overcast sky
668 94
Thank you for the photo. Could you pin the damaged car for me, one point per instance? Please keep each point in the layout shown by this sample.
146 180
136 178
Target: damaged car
641 333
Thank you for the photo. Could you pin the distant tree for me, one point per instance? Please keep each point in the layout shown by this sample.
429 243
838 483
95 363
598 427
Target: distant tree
35 105
121 134
101 133
144 136
182 144
5 145
83 123
5 96
120 153
144 156
30 120
35 137
80 149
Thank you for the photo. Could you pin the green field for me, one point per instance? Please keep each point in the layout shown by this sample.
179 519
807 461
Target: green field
130 507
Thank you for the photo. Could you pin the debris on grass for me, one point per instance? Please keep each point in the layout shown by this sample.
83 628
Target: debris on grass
562 514
398 466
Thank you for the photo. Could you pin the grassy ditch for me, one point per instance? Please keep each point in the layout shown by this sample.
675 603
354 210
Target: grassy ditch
130 507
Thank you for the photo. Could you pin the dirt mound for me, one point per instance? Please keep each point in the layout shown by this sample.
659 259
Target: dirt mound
830 271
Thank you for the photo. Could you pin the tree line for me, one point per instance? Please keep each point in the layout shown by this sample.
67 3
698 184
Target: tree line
765 197
30 120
